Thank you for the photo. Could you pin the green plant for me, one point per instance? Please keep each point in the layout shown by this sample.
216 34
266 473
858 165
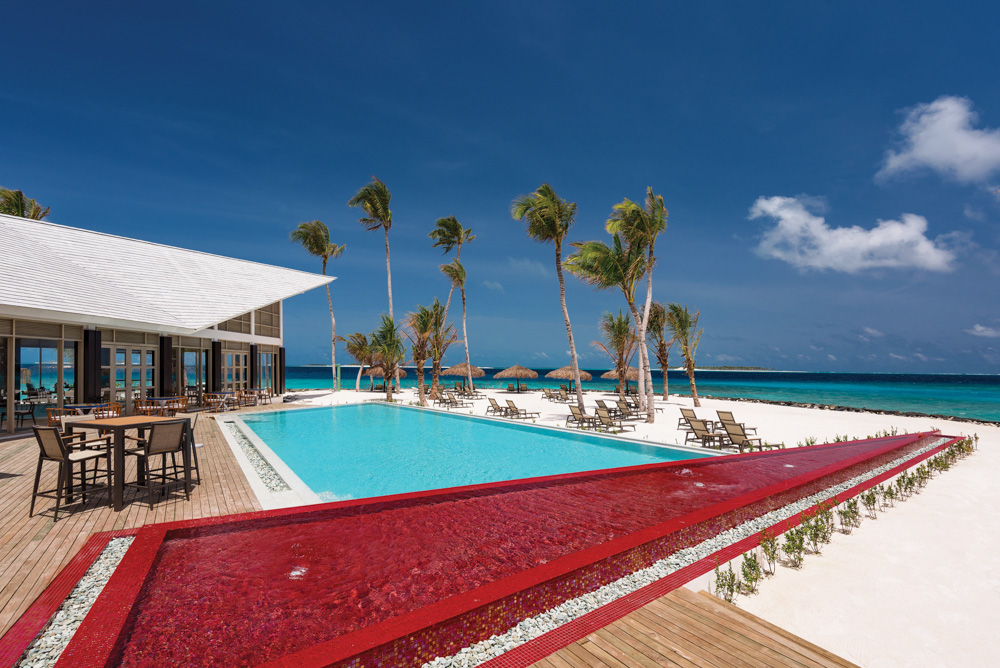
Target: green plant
794 546
811 440
889 494
750 571
726 583
769 546
870 499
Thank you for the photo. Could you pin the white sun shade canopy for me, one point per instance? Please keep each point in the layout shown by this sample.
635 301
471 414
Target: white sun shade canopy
78 275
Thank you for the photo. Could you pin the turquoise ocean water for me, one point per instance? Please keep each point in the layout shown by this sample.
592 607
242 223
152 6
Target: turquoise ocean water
968 396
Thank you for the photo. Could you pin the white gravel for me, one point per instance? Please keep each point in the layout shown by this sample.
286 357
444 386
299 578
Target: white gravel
271 479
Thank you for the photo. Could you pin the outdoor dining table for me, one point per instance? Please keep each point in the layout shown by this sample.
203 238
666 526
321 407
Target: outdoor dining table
117 426
84 409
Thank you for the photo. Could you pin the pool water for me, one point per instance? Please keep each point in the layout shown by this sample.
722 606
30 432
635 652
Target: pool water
363 450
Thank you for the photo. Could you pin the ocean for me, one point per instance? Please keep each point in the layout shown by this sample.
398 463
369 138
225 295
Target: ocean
966 396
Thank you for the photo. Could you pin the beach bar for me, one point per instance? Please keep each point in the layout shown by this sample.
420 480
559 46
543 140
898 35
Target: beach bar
89 318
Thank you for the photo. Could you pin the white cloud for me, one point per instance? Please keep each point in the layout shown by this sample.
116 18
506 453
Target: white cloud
871 331
493 285
525 266
921 357
940 136
540 356
832 358
973 213
804 240
727 358
896 357
982 330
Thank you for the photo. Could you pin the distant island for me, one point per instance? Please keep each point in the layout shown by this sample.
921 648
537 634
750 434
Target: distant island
736 368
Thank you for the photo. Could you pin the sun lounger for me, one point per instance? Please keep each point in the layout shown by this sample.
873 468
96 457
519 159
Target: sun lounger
496 409
576 417
613 411
684 422
727 416
519 413
701 434
740 439
628 412
455 403
607 423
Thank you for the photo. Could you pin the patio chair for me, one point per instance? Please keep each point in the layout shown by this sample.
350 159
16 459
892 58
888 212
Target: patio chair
510 387
629 412
727 416
456 403
607 423
55 415
739 438
175 405
22 411
214 403
164 438
564 396
147 407
53 448
684 421
577 417
111 410
613 411
496 409
700 433
520 413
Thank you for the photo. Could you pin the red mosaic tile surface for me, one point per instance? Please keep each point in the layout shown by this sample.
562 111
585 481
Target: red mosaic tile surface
399 580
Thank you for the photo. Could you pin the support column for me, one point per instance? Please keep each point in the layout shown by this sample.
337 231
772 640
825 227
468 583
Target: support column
215 367
281 370
90 361
254 367
165 367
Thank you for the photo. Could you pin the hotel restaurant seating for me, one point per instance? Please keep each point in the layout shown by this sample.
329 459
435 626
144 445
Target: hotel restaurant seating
162 439
52 447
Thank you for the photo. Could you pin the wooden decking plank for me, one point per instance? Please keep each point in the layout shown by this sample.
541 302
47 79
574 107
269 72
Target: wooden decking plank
703 645
668 634
646 645
624 651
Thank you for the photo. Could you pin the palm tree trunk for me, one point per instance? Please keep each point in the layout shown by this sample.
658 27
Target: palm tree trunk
447 304
420 382
333 337
569 328
388 386
689 363
435 376
357 383
638 321
388 279
650 396
664 357
465 334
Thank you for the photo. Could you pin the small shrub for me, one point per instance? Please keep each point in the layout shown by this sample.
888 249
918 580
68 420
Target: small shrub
769 546
750 572
870 499
811 440
889 495
794 546
726 583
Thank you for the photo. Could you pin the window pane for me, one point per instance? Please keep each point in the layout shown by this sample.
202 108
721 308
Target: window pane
105 356
136 357
136 377
120 357
149 377
119 378
105 379
150 358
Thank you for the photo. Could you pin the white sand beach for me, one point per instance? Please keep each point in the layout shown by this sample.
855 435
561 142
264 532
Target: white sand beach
918 586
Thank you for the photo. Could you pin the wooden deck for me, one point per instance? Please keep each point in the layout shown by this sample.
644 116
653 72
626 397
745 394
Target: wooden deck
33 550
688 629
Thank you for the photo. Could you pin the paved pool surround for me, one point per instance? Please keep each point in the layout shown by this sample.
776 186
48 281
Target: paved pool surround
402 579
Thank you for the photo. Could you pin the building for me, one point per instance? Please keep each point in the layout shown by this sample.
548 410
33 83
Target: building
90 317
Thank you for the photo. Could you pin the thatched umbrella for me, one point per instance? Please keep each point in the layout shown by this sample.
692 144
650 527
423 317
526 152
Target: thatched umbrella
463 371
631 373
566 373
517 372
377 372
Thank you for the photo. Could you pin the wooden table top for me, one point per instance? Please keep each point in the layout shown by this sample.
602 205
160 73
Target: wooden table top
131 421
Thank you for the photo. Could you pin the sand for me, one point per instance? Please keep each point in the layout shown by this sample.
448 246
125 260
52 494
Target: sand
918 586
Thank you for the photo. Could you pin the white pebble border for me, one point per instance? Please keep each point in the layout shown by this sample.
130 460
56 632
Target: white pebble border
569 610
267 474
45 649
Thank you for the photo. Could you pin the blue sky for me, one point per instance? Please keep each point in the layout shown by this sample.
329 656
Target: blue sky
830 168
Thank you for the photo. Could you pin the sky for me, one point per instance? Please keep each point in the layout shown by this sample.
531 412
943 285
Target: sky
832 170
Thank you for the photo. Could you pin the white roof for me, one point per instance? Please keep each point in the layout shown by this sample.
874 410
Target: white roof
84 276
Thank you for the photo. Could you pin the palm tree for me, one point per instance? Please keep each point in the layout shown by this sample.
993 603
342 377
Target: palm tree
447 234
14 203
641 225
358 347
685 332
419 328
442 336
549 219
456 272
373 199
606 266
619 344
388 351
315 238
659 342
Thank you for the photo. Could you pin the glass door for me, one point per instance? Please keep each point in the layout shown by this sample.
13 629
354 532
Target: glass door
194 367
127 373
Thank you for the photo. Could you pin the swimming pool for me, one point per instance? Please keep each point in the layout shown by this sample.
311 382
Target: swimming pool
362 450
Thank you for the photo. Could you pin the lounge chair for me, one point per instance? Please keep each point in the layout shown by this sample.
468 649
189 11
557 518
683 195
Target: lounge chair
547 394
510 387
739 438
607 423
519 413
577 417
701 434
496 409
564 396
630 412
613 411
52 447
455 403
684 421
727 416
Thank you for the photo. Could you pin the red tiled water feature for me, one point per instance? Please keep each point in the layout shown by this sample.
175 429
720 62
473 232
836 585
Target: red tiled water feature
399 580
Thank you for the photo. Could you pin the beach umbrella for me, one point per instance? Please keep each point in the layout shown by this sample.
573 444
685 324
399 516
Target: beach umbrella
463 371
631 373
517 372
566 373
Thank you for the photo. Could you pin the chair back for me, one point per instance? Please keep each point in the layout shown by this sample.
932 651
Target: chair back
564 388
689 413
50 443
55 415
564 394
726 416
67 420
112 410
699 428
494 404
510 405
603 415
166 437
600 402
735 431
575 410
176 405
624 407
